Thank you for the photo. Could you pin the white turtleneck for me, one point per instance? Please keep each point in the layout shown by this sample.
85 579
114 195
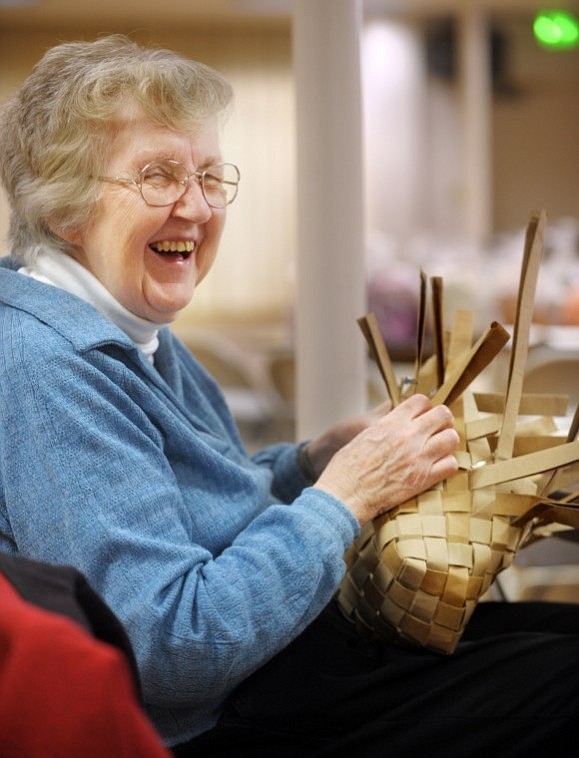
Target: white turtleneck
59 269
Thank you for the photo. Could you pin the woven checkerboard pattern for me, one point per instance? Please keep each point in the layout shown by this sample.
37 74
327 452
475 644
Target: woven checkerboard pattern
419 571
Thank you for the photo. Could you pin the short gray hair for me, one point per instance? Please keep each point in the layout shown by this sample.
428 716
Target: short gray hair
54 132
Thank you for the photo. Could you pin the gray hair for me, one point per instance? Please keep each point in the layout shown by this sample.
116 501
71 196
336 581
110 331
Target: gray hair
55 131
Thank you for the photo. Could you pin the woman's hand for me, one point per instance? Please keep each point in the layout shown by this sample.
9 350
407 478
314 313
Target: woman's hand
397 456
321 450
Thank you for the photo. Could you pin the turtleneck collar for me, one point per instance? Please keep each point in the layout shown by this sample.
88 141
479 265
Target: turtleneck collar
59 269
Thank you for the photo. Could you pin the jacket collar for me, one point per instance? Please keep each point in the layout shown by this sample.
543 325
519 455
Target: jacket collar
59 309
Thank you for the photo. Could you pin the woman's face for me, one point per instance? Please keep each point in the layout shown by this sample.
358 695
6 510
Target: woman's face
123 243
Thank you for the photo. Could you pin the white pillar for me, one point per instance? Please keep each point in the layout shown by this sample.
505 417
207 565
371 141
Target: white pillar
330 350
475 67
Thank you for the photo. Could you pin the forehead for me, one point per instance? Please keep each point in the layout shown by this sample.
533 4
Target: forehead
137 141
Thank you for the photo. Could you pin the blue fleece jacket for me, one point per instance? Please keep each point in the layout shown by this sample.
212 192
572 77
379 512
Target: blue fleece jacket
136 475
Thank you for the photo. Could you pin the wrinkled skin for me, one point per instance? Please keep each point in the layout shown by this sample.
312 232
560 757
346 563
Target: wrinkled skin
379 460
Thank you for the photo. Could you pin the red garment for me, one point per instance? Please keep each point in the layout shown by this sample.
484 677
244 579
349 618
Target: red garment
64 693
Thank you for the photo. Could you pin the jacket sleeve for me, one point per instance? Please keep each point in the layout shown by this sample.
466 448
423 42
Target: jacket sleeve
288 479
207 591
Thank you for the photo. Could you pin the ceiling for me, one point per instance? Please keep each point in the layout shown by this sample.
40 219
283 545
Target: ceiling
266 12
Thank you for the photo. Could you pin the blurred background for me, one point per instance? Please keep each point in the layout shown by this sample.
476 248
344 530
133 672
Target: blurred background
455 155
460 117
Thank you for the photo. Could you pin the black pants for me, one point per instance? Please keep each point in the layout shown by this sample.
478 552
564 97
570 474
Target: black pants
510 689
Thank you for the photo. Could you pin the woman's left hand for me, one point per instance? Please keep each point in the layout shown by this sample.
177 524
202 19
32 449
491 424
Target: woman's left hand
323 448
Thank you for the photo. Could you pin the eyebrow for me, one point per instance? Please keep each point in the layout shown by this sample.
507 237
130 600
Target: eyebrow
211 161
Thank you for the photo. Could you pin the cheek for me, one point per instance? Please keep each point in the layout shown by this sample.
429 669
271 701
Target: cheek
121 252
211 245
128 235
125 217
214 231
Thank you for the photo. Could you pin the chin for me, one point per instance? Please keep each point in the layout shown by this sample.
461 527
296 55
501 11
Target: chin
164 315
166 309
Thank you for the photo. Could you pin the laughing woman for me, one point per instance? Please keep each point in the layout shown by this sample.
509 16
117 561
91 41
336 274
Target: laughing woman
119 456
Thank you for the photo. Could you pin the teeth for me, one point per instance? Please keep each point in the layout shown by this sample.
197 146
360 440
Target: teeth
175 247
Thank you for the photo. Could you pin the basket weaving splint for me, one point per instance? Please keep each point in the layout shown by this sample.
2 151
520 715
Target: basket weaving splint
418 572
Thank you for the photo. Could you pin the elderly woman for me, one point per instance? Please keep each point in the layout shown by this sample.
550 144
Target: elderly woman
118 455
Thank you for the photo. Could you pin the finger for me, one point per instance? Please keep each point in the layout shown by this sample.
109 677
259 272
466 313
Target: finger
444 468
380 411
411 408
437 418
385 407
442 443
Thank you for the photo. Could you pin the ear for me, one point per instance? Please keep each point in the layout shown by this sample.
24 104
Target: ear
68 234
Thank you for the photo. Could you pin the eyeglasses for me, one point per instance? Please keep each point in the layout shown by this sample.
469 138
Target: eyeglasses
163 182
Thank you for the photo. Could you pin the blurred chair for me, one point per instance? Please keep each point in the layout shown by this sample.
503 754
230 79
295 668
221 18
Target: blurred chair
282 371
546 570
282 375
559 375
243 380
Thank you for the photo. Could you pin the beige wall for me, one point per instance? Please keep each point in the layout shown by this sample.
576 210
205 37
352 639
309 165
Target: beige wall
536 132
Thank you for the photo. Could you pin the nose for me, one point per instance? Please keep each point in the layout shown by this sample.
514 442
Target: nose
192 204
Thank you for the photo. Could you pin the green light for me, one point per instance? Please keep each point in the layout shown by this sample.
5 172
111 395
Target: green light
556 30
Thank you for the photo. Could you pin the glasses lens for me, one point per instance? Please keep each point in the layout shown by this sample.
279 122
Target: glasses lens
163 182
220 184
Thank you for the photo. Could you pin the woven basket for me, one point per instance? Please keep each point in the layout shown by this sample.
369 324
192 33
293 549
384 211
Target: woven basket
417 573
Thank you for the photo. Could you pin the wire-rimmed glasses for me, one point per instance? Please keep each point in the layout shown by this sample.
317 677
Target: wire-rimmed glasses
163 182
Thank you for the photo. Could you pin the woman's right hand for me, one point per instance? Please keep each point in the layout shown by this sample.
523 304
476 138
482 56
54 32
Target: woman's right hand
402 454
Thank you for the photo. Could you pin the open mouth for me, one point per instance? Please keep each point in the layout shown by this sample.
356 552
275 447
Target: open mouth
180 250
